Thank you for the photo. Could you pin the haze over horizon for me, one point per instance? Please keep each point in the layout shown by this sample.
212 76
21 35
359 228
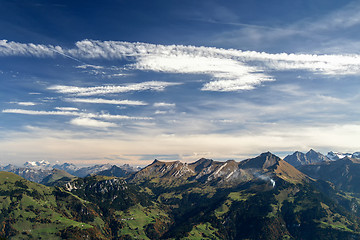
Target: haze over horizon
130 81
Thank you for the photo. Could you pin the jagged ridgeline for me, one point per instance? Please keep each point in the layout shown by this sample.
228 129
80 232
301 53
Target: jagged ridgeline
259 198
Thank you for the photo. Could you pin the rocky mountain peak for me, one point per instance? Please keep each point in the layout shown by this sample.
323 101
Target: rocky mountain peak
200 164
155 162
263 161
312 151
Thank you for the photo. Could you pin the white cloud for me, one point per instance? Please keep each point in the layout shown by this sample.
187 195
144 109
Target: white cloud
25 103
172 58
88 122
230 69
164 104
67 108
32 112
102 90
241 76
230 85
10 48
120 117
105 101
85 66
160 112
74 113
118 75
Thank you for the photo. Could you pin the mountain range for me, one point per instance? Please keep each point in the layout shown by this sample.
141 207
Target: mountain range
38 171
41 170
338 155
263 197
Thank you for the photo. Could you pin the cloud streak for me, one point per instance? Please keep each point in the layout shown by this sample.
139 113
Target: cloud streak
67 108
25 103
75 113
229 69
106 101
102 90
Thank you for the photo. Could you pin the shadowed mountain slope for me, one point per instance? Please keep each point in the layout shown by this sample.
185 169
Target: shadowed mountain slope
344 173
311 157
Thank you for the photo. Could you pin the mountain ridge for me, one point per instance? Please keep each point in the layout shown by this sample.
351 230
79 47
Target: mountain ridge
229 172
298 158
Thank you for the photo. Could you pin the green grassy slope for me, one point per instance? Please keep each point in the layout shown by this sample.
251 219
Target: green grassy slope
32 211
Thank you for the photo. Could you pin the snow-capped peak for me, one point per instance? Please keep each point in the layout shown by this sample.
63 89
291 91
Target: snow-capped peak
338 155
37 164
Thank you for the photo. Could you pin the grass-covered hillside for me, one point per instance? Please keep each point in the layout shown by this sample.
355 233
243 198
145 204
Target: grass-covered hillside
33 211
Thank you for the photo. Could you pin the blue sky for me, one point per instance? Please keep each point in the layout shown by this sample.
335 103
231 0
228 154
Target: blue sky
129 81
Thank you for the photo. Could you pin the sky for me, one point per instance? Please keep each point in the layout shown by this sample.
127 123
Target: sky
128 81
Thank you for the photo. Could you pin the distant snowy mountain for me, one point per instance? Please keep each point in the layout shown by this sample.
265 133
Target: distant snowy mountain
338 155
68 167
8 167
85 171
38 171
39 164
34 174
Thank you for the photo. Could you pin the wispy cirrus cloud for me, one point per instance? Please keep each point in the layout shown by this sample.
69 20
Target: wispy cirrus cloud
229 69
333 32
76 114
106 101
343 18
102 90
